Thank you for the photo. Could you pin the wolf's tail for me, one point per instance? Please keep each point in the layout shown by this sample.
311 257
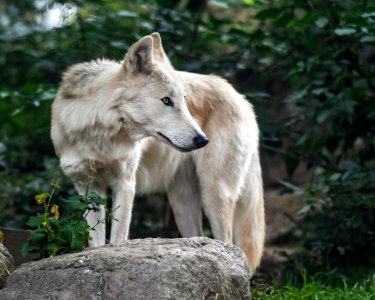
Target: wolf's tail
248 221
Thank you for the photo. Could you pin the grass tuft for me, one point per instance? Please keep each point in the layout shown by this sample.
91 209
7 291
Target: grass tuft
316 289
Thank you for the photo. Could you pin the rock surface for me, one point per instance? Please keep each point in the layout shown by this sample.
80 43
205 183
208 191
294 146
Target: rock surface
6 265
194 268
14 240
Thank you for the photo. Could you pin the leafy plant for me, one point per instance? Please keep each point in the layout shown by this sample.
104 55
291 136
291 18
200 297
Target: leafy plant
338 232
57 234
310 63
324 52
317 288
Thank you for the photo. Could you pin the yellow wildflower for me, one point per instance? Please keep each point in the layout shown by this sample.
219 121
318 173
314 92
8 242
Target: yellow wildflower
45 223
40 199
1 237
55 211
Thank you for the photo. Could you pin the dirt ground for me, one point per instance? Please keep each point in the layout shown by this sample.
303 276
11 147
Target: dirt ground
281 213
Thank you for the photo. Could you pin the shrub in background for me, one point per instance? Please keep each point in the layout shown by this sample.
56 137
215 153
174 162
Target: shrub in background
315 57
326 51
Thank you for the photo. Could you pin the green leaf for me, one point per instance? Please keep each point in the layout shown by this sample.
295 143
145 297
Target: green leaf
37 236
220 4
304 210
25 250
321 22
319 91
53 249
368 14
295 189
28 248
74 203
76 234
341 250
69 233
118 44
345 31
298 95
347 106
36 221
351 166
93 197
367 39
323 115
127 13
258 95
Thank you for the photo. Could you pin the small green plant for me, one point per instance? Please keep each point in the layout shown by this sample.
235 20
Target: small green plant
58 234
314 287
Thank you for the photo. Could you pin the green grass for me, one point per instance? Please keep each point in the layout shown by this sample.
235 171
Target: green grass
315 289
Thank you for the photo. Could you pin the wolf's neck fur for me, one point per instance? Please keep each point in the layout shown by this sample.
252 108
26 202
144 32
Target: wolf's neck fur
91 96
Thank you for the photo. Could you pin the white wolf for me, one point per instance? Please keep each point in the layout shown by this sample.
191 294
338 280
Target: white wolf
138 120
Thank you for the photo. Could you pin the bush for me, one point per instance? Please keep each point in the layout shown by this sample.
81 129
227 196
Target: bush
327 50
338 231
69 232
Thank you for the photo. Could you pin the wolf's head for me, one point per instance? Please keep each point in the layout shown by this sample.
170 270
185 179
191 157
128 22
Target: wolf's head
156 104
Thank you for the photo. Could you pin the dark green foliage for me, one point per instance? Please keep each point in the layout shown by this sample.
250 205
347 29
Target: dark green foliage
317 288
343 230
308 66
325 50
57 234
338 232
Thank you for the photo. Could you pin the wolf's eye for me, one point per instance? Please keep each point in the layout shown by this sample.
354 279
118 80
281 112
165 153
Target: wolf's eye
167 101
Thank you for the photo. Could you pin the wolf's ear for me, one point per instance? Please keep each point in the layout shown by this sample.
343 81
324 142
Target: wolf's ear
159 53
140 57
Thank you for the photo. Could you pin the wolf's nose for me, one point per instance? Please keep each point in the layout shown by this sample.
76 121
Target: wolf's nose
200 141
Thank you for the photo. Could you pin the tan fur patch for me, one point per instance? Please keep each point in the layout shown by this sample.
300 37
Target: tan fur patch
200 109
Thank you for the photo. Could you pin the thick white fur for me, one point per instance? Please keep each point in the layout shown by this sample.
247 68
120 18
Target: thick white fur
111 113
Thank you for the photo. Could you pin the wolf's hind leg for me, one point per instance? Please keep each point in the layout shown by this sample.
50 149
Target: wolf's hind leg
221 169
249 223
219 210
184 197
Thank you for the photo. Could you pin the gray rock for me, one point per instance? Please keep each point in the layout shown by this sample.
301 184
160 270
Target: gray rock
14 240
194 268
6 265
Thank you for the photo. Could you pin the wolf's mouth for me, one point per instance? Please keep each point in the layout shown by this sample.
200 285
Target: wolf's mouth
167 139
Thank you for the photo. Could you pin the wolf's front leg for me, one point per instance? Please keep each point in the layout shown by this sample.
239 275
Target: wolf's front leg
123 197
95 220
123 188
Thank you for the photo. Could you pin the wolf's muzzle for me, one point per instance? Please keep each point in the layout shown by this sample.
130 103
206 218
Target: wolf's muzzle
200 141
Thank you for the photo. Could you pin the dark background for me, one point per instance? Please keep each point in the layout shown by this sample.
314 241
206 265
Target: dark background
307 66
